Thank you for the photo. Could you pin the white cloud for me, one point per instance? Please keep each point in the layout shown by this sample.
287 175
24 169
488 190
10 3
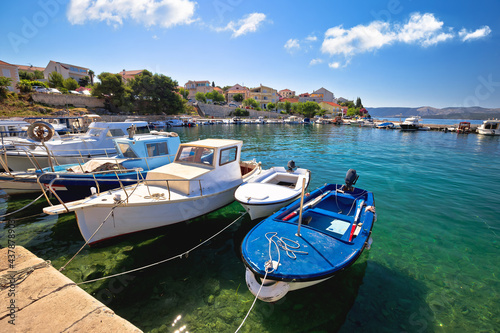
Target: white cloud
334 65
155 37
249 23
165 13
421 29
358 39
311 38
292 44
316 61
479 33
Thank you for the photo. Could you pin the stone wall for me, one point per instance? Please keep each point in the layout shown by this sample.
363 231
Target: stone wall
218 111
62 100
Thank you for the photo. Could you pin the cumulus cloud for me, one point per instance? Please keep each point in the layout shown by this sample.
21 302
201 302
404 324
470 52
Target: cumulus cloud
479 33
334 65
311 38
292 44
420 29
165 13
316 61
249 23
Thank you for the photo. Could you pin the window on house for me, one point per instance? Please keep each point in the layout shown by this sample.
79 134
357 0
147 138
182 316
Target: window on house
5 72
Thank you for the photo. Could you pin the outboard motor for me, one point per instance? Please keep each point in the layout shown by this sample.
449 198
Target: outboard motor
291 166
131 131
350 179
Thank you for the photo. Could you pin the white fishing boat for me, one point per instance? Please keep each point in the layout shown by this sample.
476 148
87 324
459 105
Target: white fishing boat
489 127
96 142
202 178
271 190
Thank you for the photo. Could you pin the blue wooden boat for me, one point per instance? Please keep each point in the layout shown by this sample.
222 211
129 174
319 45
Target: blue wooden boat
136 156
336 224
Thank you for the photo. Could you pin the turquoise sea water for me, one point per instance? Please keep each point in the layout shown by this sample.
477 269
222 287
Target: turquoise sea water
433 266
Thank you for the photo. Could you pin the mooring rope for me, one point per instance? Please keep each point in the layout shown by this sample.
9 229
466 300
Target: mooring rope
269 266
164 260
1 216
16 277
90 238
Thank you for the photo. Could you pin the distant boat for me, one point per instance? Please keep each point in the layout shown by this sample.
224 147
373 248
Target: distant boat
489 127
410 124
289 250
386 125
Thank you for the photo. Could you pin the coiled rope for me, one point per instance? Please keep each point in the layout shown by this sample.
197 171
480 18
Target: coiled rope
185 253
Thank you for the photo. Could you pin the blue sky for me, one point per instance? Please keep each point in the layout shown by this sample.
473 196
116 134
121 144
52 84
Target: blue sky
390 53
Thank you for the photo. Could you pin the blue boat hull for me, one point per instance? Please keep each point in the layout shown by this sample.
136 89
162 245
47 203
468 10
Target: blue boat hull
78 186
330 239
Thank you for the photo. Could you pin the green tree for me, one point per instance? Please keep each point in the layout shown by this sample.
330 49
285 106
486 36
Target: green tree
288 106
310 108
213 84
184 92
296 107
156 93
238 98
70 84
91 75
39 75
56 80
225 88
112 87
217 96
84 81
271 106
251 102
24 75
240 112
359 105
200 97
5 82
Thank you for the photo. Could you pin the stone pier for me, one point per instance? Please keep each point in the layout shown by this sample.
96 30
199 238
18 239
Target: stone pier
47 301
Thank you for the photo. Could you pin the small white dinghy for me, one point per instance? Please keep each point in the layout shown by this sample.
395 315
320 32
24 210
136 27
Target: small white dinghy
271 190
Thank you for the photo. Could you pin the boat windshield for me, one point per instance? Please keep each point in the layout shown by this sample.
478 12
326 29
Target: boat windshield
199 155
126 150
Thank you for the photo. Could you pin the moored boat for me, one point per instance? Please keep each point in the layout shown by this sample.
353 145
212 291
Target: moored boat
410 124
489 127
202 178
289 251
272 189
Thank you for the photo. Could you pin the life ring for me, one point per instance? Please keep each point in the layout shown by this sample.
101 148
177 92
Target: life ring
269 293
40 131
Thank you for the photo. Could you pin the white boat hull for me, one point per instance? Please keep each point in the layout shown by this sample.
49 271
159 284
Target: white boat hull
127 219
488 131
258 211
273 291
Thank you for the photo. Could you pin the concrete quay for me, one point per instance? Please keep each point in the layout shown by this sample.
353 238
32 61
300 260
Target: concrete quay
47 301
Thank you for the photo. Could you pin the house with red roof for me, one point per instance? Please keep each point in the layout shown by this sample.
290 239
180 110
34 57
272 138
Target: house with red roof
197 86
286 93
331 107
129 75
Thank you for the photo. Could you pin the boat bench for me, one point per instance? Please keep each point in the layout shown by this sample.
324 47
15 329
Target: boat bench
322 220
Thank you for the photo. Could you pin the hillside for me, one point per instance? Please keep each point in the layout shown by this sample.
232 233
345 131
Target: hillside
434 113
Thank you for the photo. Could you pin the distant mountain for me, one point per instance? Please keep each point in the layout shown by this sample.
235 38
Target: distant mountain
434 113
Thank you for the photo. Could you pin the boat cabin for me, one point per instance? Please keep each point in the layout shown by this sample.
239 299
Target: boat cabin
204 166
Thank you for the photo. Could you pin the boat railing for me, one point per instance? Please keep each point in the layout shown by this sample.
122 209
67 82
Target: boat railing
127 189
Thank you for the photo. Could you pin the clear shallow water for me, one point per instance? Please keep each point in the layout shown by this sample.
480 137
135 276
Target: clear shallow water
433 266
439 121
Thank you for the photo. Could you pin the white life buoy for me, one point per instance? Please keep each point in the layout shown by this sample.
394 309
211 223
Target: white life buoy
269 293
40 131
